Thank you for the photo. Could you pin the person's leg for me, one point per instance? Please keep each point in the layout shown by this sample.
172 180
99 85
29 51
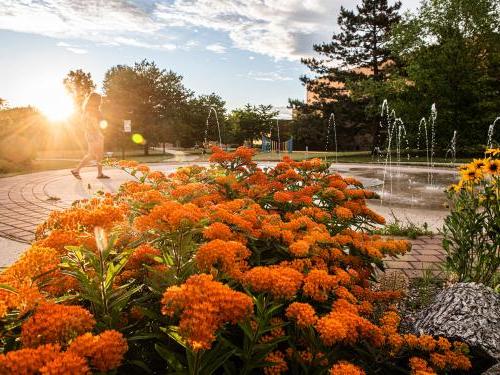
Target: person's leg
99 157
86 159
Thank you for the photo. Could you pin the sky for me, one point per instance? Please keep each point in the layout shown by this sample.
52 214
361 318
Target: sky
247 51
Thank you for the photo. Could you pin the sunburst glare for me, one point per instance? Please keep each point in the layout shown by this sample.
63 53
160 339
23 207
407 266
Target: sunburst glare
56 105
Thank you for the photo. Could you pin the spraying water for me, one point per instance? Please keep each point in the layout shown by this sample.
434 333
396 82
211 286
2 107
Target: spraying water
491 131
214 111
452 149
397 141
332 124
429 129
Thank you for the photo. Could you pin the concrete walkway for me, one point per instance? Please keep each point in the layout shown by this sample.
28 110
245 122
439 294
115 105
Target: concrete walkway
26 201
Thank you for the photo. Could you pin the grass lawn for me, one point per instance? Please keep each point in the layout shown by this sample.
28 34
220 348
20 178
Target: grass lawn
70 160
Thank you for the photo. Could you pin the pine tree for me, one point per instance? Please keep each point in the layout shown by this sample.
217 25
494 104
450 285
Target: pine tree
357 52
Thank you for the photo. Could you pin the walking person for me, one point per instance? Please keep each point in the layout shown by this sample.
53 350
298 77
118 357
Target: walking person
91 116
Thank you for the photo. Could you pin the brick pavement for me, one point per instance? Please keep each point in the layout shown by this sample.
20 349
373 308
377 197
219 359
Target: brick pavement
427 253
24 203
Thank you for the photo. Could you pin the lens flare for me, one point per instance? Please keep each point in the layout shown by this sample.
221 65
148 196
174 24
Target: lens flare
103 124
138 138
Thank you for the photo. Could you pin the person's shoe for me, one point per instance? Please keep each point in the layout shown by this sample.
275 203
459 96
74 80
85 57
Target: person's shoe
103 177
76 175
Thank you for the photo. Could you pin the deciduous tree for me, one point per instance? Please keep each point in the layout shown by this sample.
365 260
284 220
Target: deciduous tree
79 85
154 99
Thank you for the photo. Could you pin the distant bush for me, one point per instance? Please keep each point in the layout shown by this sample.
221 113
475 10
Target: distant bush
8 167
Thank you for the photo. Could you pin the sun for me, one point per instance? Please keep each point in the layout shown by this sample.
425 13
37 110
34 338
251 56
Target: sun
56 105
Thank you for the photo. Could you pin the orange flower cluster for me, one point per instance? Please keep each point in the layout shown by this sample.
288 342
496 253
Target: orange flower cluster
36 269
346 368
97 212
56 324
302 313
230 256
280 282
169 217
344 324
204 306
279 364
28 361
103 353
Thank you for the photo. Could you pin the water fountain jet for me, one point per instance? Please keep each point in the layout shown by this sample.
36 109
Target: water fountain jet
210 111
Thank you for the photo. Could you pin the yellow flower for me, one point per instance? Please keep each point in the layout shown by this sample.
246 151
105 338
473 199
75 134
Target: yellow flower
493 151
492 167
479 163
471 174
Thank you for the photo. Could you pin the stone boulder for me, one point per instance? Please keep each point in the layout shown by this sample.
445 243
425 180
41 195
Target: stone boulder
468 312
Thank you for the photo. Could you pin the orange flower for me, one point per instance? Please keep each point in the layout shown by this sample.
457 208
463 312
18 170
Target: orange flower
299 248
218 231
204 306
283 196
280 282
230 255
169 216
66 363
346 368
28 361
318 284
279 364
55 324
144 254
105 350
343 213
419 367
302 313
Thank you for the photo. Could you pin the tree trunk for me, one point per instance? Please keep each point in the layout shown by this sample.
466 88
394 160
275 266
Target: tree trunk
146 149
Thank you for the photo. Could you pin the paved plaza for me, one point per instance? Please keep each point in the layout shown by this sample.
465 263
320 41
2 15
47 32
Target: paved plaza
26 200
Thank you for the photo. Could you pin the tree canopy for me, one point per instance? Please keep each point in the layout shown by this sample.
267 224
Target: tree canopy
152 98
79 85
450 52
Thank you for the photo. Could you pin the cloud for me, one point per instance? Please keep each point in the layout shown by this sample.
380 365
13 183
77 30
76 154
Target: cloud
281 29
108 22
78 51
72 48
217 48
268 76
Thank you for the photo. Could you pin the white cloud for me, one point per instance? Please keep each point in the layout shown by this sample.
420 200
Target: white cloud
94 20
251 58
72 48
78 51
268 76
282 29
217 48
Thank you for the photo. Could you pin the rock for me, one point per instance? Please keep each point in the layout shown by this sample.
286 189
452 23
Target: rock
495 370
468 312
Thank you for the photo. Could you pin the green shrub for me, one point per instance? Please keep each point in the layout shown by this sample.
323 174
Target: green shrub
472 229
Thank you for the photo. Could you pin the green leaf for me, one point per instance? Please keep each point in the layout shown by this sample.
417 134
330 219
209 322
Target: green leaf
170 358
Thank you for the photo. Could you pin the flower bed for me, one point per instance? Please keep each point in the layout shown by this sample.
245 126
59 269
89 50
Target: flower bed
230 269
